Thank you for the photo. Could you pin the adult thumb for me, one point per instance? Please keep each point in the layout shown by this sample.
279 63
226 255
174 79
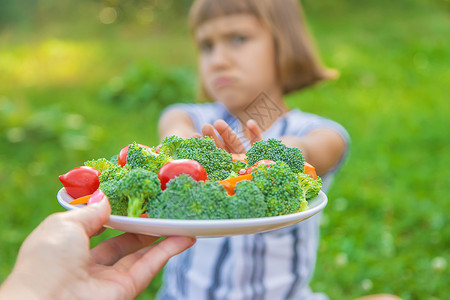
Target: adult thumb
94 215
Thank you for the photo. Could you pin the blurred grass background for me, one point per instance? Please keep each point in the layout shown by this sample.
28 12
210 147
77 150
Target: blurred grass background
81 80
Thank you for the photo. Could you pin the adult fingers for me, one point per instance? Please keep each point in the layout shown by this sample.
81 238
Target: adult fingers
150 262
232 142
92 217
110 251
254 131
99 231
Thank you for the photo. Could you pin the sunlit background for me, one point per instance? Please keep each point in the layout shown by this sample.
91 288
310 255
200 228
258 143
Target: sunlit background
81 79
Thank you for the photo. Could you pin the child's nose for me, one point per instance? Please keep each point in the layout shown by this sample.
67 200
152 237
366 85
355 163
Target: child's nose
220 56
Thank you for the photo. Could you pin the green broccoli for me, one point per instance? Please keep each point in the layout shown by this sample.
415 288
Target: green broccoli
185 198
169 146
119 203
110 175
280 187
217 162
310 187
114 159
101 164
237 166
139 186
247 202
116 172
145 158
273 149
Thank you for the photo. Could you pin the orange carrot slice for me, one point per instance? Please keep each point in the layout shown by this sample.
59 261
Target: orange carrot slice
81 200
230 183
310 170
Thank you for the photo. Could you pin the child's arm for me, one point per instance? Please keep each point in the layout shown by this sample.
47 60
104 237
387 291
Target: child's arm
323 148
176 122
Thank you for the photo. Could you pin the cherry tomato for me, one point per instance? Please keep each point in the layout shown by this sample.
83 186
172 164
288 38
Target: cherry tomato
264 162
181 166
124 152
81 181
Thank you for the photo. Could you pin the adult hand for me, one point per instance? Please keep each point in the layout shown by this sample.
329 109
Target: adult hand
55 261
229 139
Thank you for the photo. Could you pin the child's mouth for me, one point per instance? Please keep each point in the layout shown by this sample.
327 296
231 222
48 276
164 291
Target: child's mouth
221 82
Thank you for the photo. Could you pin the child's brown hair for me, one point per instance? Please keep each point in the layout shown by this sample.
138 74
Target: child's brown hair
297 59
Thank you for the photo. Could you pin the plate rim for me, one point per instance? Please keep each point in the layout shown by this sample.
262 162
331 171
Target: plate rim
195 226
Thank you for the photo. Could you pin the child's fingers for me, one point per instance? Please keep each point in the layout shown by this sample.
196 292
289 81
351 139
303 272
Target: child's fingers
232 142
208 130
110 251
254 130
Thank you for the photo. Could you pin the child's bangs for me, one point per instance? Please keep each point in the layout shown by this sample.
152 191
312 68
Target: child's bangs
205 10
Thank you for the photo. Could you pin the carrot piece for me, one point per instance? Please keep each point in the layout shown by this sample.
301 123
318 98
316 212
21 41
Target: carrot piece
81 200
239 157
310 170
230 183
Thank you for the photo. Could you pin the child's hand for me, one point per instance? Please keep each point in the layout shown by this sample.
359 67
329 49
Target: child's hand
230 141
55 262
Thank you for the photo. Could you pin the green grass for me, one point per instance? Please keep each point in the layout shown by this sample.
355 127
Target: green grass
386 226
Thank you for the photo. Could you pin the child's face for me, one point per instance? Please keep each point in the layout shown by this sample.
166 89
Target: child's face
237 60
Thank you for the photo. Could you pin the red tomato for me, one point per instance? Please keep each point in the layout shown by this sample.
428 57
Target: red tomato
81 181
181 166
263 162
124 152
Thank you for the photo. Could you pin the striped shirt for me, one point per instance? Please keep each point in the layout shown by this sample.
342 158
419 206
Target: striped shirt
273 265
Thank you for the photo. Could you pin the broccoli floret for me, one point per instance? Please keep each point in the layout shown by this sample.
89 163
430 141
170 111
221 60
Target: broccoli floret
217 162
280 187
169 146
138 186
114 159
119 203
116 172
219 175
248 202
109 179
274 150
236 166
101 164
310 187
145 158
185 198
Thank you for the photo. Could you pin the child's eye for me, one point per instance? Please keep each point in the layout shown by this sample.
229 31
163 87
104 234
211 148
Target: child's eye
238 39
206 46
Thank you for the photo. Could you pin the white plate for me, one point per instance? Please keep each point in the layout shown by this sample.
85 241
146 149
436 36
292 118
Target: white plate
203 228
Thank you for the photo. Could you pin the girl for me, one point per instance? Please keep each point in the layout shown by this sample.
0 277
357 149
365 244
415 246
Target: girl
252 53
